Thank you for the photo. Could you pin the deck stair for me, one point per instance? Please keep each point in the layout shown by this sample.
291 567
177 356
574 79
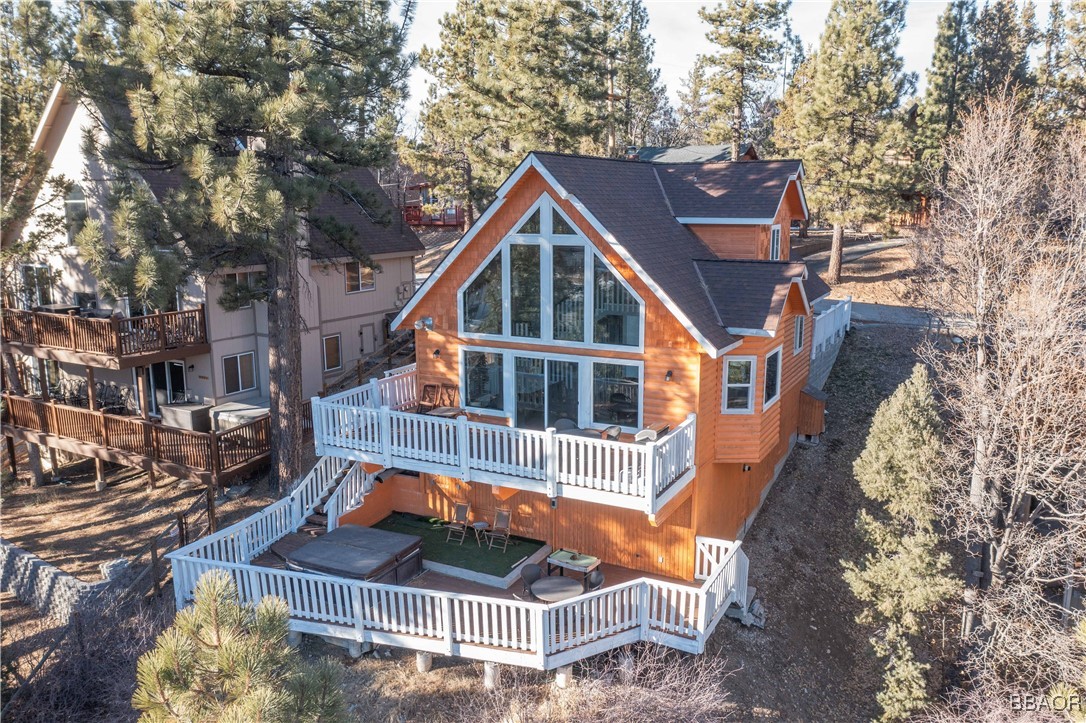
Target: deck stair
750 612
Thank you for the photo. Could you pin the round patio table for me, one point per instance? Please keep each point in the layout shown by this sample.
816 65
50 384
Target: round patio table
557 588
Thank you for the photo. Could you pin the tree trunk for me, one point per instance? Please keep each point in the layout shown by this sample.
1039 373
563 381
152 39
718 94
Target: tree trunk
804 228
285 359
469 203
33 455
833 275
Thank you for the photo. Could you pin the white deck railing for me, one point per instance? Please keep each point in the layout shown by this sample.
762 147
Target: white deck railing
356 484
481 628
367 424
831 320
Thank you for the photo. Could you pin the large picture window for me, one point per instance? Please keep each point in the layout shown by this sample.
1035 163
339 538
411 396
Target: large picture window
738 385
484 380
615 397
483 300
239 373
772 377
547 282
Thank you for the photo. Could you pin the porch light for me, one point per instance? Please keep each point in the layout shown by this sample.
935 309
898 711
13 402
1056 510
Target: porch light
426 322
667 377
437 353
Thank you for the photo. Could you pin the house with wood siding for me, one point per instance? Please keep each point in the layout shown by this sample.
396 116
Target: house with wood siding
629 345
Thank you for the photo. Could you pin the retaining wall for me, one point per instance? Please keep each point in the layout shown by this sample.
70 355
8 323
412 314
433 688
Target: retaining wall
45 587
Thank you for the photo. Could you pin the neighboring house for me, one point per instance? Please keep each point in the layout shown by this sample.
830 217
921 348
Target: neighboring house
693 154
615 358
210 361
609 296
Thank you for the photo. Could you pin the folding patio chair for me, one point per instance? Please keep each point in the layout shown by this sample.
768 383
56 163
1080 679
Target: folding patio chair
428 399
499 533
458 528
450 396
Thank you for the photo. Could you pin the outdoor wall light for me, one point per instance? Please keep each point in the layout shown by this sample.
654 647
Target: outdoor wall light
437 353
426 322
667 377
746 468
191 367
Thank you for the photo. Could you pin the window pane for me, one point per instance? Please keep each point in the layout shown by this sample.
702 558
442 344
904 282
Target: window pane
797 337
615 394
738 397
531 399
559 225
772 372
75 212
367 277
616 313
248 373
568 293
331 353
483 300
562 391
531 226
524 287
483 380
351 270
231 376
739 372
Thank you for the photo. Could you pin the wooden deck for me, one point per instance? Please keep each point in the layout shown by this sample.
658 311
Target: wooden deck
115 343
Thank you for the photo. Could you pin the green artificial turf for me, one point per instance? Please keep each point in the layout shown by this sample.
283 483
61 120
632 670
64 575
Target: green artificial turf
468 555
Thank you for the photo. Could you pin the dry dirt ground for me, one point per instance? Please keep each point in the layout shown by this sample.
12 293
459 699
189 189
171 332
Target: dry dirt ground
881 277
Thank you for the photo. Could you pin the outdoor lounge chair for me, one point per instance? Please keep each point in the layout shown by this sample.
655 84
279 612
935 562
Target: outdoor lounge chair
428 399
499 533
564 425
594 581
458 528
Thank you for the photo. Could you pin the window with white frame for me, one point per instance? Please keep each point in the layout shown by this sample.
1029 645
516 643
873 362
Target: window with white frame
547 282
772 380
775 243
332 358
359 277
797 334
239 372
75 212
738 385
536 389
244 286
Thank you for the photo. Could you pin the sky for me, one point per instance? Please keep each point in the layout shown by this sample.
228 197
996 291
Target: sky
680 37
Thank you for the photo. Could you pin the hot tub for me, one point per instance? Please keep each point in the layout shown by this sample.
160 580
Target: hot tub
362 553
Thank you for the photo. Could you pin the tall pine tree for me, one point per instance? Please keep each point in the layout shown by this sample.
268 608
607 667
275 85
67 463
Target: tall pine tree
1072 77
842 122
950 78
255 112
750 38
1001 50
693 112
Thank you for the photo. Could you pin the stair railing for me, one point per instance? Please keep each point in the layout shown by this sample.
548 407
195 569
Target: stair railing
348 495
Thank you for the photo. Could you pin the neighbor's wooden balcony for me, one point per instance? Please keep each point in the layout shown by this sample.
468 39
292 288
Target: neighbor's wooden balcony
371 423
115 343
207 457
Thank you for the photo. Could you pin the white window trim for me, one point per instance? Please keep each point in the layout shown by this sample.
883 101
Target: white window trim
362 287
584 384
766 404
324 352
775 228
799 333
248 282
754 389
256 381
547 241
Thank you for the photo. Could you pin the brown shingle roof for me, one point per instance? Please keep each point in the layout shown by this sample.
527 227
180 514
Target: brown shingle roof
751 189
748 294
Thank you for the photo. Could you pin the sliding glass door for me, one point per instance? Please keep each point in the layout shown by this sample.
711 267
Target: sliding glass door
546 391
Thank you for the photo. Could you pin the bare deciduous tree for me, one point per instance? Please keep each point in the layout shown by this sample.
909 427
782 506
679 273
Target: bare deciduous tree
1005 263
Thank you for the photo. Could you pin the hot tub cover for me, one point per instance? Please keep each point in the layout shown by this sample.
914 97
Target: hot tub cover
354 551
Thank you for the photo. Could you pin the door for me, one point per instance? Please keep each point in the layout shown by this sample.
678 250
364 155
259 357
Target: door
546 391
165 384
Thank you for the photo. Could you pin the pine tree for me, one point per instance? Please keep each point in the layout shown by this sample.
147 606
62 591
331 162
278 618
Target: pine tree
511 76
1001 48
693 111
749 34
905 577
224 661
1072 78
841 121
257 111
950 78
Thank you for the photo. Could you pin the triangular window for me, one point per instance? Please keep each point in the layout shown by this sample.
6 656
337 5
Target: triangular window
531 226
560 225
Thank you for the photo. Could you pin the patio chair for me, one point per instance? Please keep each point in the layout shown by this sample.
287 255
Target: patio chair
458 528
528 575
450 396
594 581
499 533
428 399
611 432
564 425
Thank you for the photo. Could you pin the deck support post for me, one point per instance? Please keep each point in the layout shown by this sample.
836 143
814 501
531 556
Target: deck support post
43 382
11 456
294 638
99 475
563 676
491 675
356 649
424 661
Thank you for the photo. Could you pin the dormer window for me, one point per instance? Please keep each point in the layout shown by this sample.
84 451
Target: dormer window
775 243
75 212
546 282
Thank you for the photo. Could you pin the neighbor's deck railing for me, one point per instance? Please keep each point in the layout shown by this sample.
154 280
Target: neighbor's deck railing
830 324
482 628
114 337
199 452
368 422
